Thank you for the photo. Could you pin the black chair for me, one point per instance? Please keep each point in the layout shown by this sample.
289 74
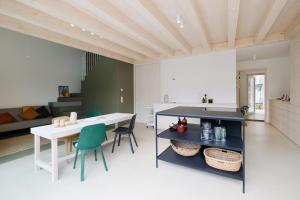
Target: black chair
125 131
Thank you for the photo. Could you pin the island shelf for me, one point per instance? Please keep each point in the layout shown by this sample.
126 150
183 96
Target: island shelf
233 120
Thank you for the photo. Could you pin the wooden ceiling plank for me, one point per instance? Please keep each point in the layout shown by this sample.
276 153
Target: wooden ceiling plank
152 9
35 31
30 15
113 15
67 13
193 9
270 20
294 28
233 16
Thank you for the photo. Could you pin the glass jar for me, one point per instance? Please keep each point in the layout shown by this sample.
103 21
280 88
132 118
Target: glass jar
223 134
207 134
217 130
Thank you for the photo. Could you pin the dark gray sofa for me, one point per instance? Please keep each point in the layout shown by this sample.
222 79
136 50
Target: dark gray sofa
21 124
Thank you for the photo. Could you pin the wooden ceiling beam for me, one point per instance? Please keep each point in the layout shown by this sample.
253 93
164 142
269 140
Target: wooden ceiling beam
167 27
191 8
24 13
233 8
222 46
104 11
35 31
270 20
67 13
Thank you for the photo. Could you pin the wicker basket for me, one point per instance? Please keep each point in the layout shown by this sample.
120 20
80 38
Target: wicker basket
185 148
223 159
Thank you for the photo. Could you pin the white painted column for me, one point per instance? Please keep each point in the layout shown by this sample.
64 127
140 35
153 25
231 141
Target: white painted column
54 163
37 150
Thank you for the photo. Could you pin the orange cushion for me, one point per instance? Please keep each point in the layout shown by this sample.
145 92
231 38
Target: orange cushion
25 108
6 118
29 114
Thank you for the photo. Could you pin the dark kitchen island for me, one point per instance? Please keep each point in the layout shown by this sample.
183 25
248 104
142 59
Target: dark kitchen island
231 119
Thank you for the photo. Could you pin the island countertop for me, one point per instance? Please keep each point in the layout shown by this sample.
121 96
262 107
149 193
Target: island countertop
204 113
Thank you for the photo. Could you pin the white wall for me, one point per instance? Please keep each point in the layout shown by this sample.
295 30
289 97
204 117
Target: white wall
277 72
31 69
213 73
187 79
146 88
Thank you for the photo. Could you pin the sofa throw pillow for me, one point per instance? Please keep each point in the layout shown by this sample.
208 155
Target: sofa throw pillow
25 108
29 114
6 118
43 112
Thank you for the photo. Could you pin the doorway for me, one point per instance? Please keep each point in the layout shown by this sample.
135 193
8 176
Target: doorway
256 97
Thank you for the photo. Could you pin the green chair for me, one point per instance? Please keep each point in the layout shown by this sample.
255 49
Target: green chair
90 138
94 114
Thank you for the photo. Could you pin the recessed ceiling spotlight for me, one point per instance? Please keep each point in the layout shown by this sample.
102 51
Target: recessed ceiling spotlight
72 25
83 29
92 33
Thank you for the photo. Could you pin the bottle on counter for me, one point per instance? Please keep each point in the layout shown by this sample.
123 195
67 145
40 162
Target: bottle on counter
205 98
184 122
179 121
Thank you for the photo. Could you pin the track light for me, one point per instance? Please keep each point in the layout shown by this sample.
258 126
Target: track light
180 21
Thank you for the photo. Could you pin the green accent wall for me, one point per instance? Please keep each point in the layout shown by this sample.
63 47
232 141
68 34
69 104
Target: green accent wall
101 89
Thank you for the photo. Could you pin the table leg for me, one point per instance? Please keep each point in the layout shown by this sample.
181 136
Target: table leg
37 150
54 163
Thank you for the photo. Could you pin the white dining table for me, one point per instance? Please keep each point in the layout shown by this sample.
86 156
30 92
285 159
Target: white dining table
54 133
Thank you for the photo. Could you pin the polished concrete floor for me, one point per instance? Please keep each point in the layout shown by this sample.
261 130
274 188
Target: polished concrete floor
272 172
255 117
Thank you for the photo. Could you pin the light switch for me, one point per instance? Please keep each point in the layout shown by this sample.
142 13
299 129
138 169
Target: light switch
121 99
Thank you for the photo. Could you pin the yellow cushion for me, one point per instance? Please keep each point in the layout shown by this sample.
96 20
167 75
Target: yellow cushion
29 114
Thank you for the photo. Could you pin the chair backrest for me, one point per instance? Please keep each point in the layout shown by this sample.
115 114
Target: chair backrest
91 136
93 114
132 123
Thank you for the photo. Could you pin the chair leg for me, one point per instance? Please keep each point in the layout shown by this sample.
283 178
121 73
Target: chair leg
103 158
119 139
105 137
129 138
114 143
134 140
95 152
82 165
76 155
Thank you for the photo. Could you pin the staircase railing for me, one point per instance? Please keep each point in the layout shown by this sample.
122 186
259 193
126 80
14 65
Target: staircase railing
91 59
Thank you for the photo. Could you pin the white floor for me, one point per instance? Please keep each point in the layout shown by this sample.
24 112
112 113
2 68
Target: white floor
272 172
